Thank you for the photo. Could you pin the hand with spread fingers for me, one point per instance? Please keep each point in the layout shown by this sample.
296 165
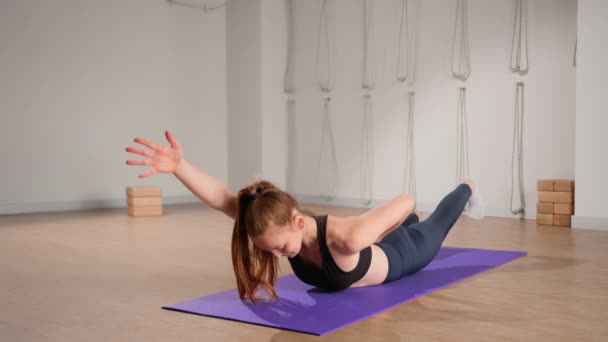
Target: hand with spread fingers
161 158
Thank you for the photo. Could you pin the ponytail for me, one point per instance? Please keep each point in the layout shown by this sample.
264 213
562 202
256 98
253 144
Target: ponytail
253 267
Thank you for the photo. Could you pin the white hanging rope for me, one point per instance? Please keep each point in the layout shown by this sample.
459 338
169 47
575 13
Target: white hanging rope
519 64
405 47
367 77
328 131
519 42
205 8
325 85
462 69
290 108
288 77
323 48
405 74
462 143
409 175
517 146
367 120
402 76
367 151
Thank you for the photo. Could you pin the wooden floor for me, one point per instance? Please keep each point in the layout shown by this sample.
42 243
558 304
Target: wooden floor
103 276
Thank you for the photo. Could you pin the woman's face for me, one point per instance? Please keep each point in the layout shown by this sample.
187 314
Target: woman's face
280 240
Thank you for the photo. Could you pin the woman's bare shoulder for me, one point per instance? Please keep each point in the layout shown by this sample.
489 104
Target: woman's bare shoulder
355 233
337 231
338 223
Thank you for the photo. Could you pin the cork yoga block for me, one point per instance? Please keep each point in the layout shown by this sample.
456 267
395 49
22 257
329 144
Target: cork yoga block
143 191
556 197
565 185
545 208
561 220
563 208
544 185
145 211
544 219
144 201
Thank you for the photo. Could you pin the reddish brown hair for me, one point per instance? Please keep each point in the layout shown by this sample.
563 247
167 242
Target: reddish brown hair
258 204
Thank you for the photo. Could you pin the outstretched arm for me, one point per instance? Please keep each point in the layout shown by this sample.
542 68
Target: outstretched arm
372 225
170 159
207 188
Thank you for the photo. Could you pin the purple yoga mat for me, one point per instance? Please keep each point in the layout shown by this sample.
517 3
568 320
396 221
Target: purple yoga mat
304 308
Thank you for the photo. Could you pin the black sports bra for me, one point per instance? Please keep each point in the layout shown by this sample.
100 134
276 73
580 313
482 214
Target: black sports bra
330 276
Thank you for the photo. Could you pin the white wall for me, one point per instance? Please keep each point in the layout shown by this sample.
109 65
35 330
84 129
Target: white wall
100 73
244 92
549 99
81 79
591 118
274 119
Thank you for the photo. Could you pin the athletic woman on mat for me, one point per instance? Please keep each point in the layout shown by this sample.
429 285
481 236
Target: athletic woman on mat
384 244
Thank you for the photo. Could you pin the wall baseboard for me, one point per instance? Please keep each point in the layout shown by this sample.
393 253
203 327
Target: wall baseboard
583 222
589 222
44 207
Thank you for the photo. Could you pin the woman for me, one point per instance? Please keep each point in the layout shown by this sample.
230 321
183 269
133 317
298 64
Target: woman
381 245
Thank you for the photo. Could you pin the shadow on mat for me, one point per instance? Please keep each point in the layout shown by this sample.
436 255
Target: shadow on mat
319 310
446 252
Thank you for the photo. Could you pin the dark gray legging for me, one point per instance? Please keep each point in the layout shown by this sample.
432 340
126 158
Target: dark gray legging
412 245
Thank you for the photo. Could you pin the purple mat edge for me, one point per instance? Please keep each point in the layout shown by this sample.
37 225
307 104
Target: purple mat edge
254 323
516 255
